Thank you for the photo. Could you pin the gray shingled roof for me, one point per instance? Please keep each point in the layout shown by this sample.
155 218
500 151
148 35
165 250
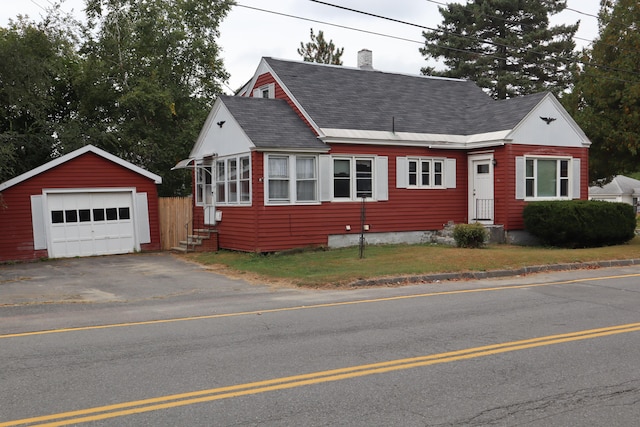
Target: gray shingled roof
349 98
271 123
619 185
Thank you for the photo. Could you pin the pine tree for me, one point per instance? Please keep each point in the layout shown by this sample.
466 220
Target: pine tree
505 46
321 51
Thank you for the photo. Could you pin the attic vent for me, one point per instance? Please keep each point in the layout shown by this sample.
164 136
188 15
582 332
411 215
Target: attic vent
365 59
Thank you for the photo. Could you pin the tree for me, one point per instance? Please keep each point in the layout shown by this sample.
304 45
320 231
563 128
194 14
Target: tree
505 46
38 64
321 51
152 70
606 98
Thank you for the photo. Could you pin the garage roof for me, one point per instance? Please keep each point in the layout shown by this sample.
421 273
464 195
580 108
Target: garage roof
86 149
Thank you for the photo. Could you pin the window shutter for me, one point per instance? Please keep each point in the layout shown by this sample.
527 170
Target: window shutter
520 178
325 178
450 173
257 93
142 218
382 178
575 185
38 223
402 172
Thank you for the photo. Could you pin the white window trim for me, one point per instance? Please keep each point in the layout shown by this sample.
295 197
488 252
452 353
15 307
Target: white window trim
573 177
270 88
449 172
432 172
353 180
238 180
292 180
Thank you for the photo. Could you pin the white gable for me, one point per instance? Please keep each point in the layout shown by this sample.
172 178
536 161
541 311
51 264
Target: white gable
561 131
221 135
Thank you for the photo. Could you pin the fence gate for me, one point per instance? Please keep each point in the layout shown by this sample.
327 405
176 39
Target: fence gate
175 220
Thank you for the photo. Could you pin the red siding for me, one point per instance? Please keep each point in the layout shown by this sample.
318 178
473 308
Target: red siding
508 209
271 228
86 171
263 228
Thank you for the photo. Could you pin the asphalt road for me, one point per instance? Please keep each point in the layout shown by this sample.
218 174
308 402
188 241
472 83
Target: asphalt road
149 340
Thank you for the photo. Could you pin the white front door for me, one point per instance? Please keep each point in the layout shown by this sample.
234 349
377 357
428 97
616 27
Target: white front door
481 203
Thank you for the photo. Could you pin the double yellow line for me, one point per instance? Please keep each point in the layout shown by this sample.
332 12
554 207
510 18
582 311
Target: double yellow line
183 399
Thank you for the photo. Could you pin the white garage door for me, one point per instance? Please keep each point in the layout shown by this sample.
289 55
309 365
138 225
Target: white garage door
83 224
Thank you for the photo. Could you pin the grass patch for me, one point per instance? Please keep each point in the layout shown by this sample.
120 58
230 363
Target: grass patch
342 266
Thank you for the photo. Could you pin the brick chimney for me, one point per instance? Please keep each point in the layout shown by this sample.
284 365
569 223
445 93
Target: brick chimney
365 59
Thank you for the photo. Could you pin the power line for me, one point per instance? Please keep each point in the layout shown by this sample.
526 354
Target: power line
330 24
521 24
423 43
581 13
566 58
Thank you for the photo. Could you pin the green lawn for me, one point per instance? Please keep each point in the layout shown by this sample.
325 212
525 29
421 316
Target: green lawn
338 267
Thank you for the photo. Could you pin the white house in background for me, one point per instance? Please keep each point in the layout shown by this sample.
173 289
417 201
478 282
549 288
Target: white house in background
620 189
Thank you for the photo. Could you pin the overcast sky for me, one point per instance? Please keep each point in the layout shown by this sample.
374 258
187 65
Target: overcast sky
257 28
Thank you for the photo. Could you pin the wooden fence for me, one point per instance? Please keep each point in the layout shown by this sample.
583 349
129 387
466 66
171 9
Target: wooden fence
175 214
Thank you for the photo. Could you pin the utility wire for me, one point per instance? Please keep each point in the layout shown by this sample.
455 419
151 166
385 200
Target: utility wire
415 41
581 13
506 20
422 43
568 59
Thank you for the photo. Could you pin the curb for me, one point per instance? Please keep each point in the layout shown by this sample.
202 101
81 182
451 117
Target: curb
471 275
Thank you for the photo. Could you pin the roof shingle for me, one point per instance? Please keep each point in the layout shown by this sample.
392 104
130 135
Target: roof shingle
349 98
271 123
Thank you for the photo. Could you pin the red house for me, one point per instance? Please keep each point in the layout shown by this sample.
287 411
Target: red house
312 155
87 202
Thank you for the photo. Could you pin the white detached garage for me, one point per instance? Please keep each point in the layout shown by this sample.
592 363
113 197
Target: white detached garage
85 203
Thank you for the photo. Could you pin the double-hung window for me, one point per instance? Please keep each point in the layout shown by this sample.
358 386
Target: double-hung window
291 179
279 179
306 179
547 178
426 173
233 180
352 178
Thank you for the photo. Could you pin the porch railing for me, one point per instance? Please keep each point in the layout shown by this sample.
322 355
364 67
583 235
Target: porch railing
484 210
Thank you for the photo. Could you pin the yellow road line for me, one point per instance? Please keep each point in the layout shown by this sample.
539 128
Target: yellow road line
190 398
306 307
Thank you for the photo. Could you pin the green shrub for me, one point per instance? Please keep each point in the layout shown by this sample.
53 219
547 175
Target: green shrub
580 223
469 235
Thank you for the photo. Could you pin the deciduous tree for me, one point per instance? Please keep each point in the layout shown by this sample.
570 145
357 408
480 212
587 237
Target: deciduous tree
38 64
606 99
152 72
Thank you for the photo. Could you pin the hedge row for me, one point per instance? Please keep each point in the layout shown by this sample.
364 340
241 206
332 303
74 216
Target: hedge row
580 223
